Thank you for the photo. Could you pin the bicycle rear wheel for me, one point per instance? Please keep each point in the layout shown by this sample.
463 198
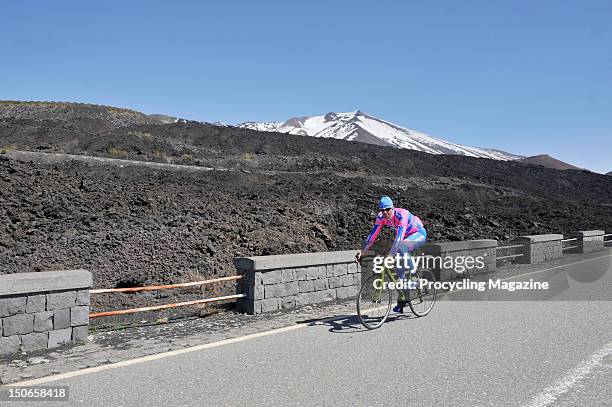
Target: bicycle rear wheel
423 298
373 304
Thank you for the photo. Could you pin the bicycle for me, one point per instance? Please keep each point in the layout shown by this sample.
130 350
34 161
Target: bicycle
375 296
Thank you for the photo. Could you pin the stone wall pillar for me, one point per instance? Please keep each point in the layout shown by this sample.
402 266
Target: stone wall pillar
43 310
539 248
588 240
450 259
273 283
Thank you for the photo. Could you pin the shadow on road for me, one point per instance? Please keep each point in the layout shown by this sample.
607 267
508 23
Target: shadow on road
351 323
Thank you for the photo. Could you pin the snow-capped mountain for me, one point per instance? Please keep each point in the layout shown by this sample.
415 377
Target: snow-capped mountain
358 126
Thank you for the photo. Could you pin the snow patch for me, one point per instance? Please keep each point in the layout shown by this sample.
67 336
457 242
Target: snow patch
362 127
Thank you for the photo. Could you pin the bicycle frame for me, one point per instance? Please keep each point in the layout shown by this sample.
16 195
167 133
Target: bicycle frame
393 277
401 292
375 290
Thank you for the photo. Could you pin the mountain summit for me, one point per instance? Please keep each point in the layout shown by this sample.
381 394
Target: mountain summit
358 126
549 162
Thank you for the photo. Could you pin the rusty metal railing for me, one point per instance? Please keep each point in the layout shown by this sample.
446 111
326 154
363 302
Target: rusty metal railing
510 256
573 239
163 287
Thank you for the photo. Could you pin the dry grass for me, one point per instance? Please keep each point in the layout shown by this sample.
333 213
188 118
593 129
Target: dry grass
206 291
159 153
7 149
192 276
247 156
117 152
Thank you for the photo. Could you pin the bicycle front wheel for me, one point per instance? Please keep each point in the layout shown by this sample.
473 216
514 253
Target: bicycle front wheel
373 304
423 298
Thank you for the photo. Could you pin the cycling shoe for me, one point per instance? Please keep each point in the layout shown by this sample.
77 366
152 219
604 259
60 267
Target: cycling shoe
399 308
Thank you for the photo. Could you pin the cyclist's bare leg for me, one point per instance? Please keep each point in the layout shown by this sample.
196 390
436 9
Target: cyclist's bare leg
406 248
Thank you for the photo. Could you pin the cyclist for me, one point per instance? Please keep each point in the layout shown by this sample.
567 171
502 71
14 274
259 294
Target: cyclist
410 235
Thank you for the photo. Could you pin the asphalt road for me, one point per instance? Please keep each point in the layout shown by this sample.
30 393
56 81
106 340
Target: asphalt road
465 353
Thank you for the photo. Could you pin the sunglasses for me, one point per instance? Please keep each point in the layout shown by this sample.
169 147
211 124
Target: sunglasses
386 209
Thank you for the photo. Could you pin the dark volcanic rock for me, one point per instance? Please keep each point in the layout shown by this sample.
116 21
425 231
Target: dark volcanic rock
282 194
94 115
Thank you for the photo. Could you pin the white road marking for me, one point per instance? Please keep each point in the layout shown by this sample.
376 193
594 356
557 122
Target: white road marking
171 353
158 356
578 374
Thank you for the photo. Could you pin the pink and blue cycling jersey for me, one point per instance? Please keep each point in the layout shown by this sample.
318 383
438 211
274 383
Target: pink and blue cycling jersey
410 233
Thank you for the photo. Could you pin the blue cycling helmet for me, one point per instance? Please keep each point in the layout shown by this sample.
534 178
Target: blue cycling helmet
385 202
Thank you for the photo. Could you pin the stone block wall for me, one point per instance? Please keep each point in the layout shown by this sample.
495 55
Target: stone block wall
588 240
451 266
539 248
43 310
274 283
283 282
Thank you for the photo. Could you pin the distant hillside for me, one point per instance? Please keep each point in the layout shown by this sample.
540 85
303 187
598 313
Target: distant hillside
610 173
361 127
547 161
162 118
65 111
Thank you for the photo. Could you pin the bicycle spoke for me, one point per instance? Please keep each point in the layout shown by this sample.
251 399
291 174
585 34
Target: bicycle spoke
423 298
373 304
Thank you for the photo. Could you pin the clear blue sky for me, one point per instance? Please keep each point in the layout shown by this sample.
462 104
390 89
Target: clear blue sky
527 77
